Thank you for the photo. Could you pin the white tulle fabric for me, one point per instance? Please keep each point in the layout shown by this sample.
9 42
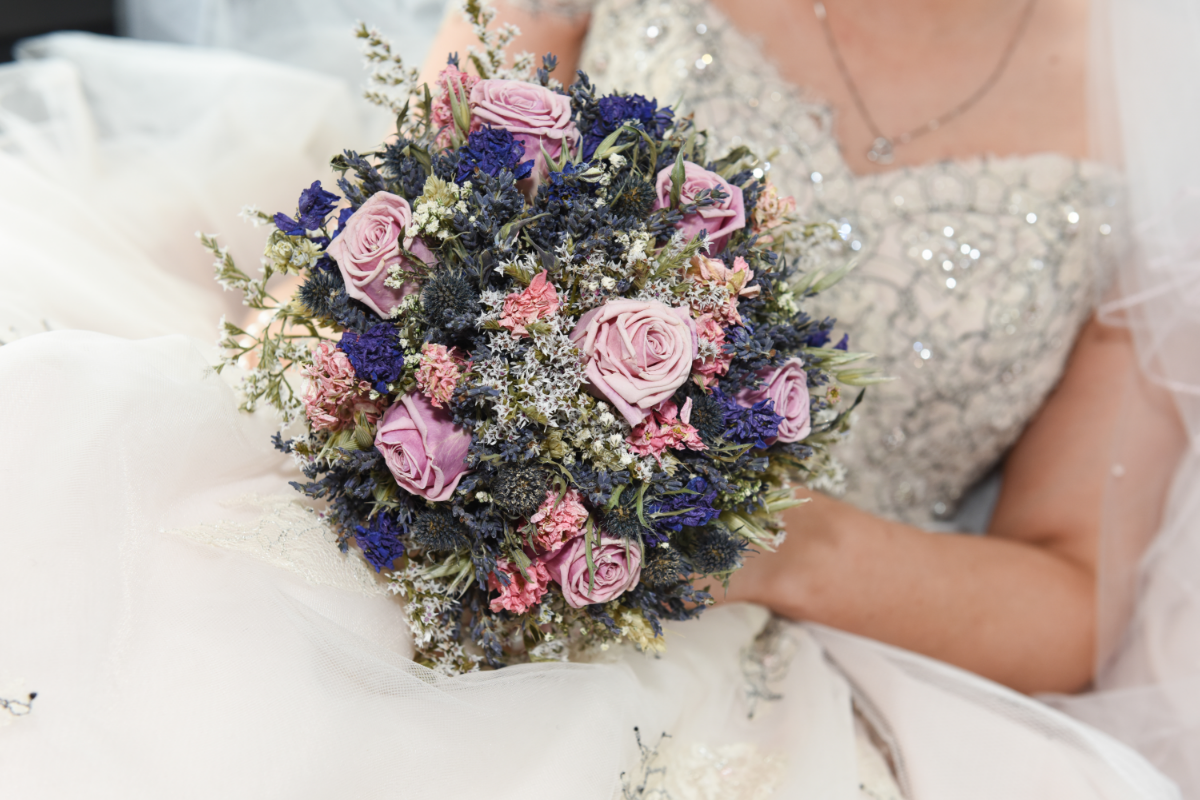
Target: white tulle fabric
189 633
1147 119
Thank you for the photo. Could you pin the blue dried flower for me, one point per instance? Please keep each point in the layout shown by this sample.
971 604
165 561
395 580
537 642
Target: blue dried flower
491 150
315 205
615 110
753 425
844 344
380 541
693 507
375 355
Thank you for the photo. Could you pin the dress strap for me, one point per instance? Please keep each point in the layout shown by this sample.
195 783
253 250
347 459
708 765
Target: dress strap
562 8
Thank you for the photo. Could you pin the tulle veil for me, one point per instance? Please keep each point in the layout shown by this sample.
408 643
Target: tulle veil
1145 120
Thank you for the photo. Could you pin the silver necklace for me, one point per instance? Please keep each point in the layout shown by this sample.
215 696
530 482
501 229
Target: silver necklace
883 147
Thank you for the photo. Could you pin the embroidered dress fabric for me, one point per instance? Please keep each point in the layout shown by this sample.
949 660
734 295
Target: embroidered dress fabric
191 632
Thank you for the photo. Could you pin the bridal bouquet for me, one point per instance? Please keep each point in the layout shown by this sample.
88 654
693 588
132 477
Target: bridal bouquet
555 361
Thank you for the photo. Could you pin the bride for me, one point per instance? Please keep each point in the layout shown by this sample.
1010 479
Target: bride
192 632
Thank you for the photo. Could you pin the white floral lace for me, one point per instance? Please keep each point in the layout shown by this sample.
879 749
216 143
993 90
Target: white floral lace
282 531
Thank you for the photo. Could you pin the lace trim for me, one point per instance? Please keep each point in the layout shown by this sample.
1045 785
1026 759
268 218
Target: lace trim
738 771
287 534
15 701
766 661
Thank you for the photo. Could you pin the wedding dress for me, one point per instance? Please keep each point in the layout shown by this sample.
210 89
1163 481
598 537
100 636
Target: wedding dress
190 629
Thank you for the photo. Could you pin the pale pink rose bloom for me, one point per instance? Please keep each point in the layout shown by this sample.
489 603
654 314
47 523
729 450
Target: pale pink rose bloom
370 244
618 569
422 447
770 212
439 373
536 116
334 393
558 521
667 428
720 219
638 352
788 387
443 115
539 299
707 369
519 595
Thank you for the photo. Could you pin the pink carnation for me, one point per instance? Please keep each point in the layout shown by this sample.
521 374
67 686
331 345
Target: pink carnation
666 428
440 370
706 369
712 271
443 114
558 521
770 212
334 393
520 594
520 309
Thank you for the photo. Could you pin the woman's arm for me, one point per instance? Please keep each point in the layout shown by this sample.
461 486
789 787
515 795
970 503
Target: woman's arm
541 33
1019 605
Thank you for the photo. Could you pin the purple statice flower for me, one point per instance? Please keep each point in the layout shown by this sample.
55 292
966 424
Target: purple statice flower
693 507
615 110
749 424
315 205
491 150
380 541
844 344
375 355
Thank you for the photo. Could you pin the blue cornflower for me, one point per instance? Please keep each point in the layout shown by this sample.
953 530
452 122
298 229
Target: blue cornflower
615 110
818 337
752 425
694 507
343 217
315 205
380 541
375 355
491 150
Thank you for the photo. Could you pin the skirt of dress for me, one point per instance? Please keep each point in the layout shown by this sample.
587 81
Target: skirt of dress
191 631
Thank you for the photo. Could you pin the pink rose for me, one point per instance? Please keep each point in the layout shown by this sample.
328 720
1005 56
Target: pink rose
534 115
638 352
519 595
558 521
369 245
538 300
720 219
334 393
422 447
618 569
788 387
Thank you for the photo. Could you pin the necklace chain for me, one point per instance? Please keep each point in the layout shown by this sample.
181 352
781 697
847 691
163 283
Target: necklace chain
882 147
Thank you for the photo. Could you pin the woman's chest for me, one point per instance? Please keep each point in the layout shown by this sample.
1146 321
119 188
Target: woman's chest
972 279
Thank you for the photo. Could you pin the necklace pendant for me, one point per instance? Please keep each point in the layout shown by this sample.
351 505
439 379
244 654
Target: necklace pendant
881 151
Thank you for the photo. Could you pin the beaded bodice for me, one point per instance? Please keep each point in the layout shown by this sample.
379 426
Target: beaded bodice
974 276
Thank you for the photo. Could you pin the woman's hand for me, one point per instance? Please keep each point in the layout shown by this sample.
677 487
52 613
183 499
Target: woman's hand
1018 605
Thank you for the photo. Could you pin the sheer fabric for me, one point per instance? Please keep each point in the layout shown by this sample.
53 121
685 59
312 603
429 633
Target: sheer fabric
1146 109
